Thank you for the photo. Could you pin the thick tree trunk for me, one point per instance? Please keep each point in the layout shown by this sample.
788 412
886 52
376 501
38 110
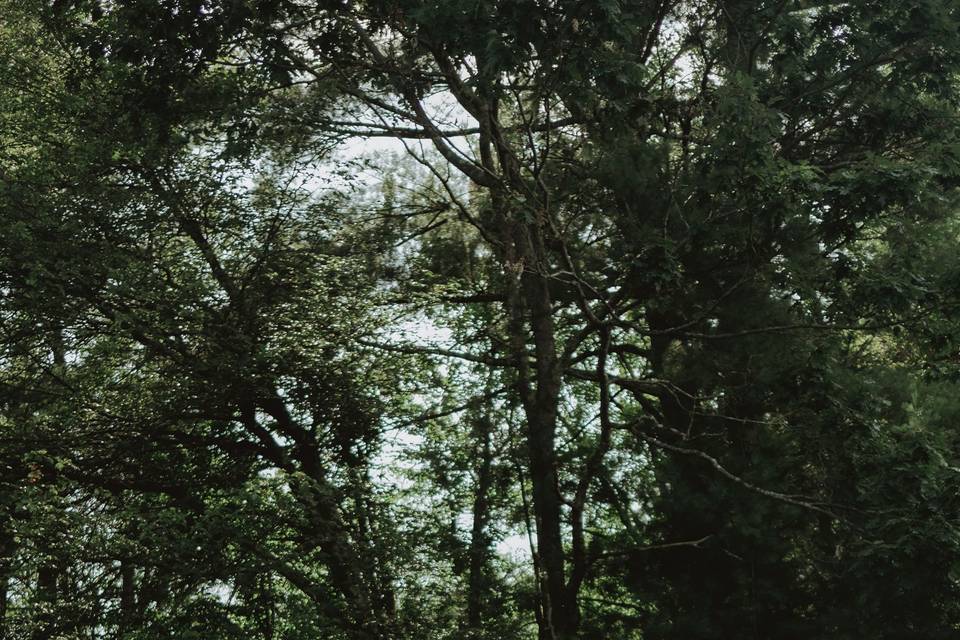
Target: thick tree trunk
7 549
478 587
127 595
561 615
46 601
525 258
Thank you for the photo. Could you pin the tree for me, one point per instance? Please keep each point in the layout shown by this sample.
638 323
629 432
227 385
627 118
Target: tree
683 265
197 325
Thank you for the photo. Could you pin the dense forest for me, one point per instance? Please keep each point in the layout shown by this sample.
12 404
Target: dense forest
479 319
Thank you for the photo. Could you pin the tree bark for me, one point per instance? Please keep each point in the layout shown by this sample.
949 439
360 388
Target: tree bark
127 594
7 549
561 615
478 587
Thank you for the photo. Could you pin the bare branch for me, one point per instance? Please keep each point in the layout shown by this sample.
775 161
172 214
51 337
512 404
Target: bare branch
803 502
412 349
654 547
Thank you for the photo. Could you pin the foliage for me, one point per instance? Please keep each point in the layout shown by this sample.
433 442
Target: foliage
647 331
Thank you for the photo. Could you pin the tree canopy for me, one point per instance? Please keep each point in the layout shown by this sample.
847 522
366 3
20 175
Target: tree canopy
388 320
